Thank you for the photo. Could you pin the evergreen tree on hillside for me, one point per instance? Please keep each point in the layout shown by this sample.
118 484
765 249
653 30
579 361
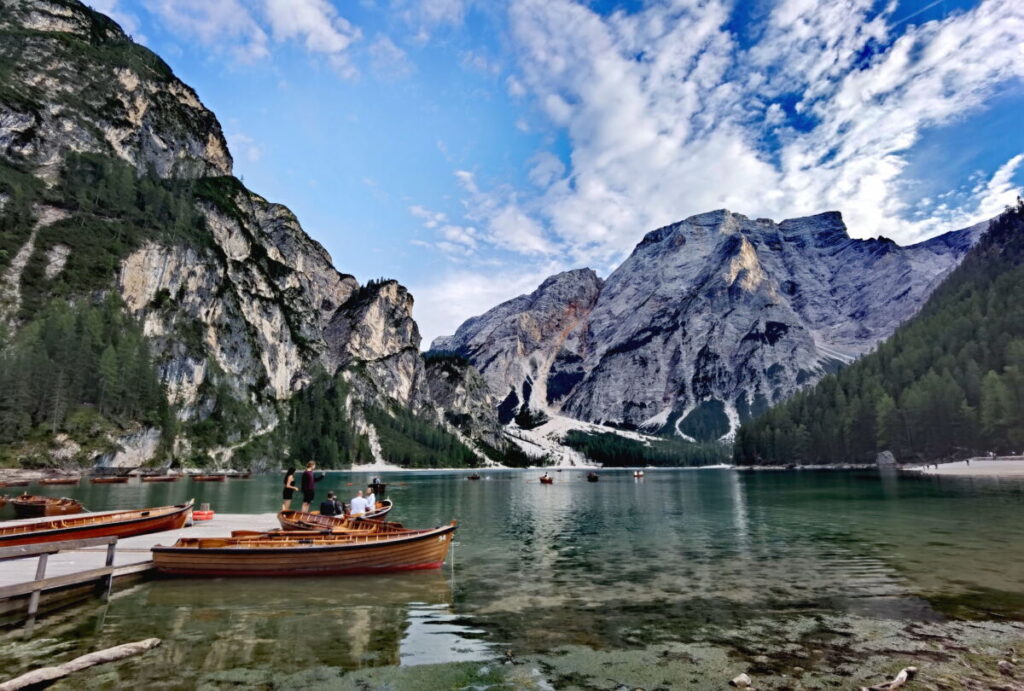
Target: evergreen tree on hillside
948 383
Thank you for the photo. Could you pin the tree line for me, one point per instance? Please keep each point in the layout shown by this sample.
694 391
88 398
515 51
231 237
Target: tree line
610 449
74 358
949 383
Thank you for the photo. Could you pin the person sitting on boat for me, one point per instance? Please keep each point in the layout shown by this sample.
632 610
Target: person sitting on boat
330 506
289 489
371 499
309 481
357 507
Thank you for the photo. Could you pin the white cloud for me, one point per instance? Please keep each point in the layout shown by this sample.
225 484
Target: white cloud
1000 191
388 61
665 113
425 16
431 219
225 23
546 169
318 26
244 145
245 29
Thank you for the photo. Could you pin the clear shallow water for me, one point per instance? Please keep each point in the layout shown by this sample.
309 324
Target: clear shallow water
607 567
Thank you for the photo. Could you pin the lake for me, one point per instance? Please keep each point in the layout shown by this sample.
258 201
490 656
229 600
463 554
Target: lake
681 579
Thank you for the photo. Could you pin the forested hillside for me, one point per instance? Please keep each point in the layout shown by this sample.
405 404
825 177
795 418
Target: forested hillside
948 383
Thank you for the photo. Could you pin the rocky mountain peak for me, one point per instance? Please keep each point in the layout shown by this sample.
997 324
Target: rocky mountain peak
707 322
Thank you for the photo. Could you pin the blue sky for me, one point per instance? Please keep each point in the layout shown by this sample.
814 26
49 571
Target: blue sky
469 148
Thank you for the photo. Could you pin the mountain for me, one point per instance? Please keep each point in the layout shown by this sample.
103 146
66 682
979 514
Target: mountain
115 180
708 322
947 384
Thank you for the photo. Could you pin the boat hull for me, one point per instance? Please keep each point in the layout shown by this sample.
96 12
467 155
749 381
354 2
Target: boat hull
209 478
159 478
39 507
109 480
328 556
297 520
119 524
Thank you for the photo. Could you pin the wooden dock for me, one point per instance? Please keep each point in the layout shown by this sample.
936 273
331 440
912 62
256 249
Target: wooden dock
75 573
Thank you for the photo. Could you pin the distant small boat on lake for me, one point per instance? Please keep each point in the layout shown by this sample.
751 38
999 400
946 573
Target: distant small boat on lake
547 480
116 480
31 506
209 478
638 473
15 483
308 554
593 477
106 524
239 476
59 481
160 478
474 476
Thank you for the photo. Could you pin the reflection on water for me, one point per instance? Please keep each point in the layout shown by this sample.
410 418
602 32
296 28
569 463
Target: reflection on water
607 566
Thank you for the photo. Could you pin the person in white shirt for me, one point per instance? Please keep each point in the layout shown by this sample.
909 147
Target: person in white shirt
357 506
371 499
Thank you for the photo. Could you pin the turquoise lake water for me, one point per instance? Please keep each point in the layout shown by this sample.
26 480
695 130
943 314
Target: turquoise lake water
612 566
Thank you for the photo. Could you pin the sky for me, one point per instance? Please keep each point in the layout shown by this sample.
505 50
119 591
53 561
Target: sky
471 148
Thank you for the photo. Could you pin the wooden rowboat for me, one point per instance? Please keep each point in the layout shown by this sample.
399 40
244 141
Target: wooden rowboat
15 483
593 477
297 520
209 478
474 476
117 480
59 481
31 506
356 527
545 480
240 476
160 478
310 555
106 524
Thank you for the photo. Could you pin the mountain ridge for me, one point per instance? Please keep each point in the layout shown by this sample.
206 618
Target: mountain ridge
714 316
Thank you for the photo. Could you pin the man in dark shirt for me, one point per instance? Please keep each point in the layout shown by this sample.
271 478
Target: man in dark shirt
330 506
309 481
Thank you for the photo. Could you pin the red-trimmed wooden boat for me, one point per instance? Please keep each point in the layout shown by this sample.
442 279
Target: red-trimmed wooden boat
593 477
297 520
59 481
160 478
115 480
547 480
306 555
240 476
209 478
108 523
474 476
15 483
356 527
31 506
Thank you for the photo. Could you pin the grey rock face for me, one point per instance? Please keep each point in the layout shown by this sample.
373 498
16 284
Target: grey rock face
708 321
464 398
260 307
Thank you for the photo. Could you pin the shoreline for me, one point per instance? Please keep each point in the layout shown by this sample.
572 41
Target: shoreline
999 467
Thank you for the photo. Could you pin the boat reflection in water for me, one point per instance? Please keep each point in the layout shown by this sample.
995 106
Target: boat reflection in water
212 626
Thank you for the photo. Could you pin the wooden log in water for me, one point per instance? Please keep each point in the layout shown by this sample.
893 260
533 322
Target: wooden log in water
47 675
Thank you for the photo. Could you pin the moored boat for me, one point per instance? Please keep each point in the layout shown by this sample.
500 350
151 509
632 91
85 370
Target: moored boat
209 478
106 524
547 480
638 473
297 520
115 480
59 481
15 483
239 476
31 506
593 477
160 478
307 554
474 476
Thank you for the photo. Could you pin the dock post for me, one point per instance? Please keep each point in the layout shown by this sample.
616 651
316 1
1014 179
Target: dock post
33 601
110 564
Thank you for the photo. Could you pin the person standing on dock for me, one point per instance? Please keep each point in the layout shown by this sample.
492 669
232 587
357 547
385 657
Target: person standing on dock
309 481
357 507
371 499
289 489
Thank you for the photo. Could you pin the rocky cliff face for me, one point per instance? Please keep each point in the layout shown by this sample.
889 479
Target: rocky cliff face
247 306
707 322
